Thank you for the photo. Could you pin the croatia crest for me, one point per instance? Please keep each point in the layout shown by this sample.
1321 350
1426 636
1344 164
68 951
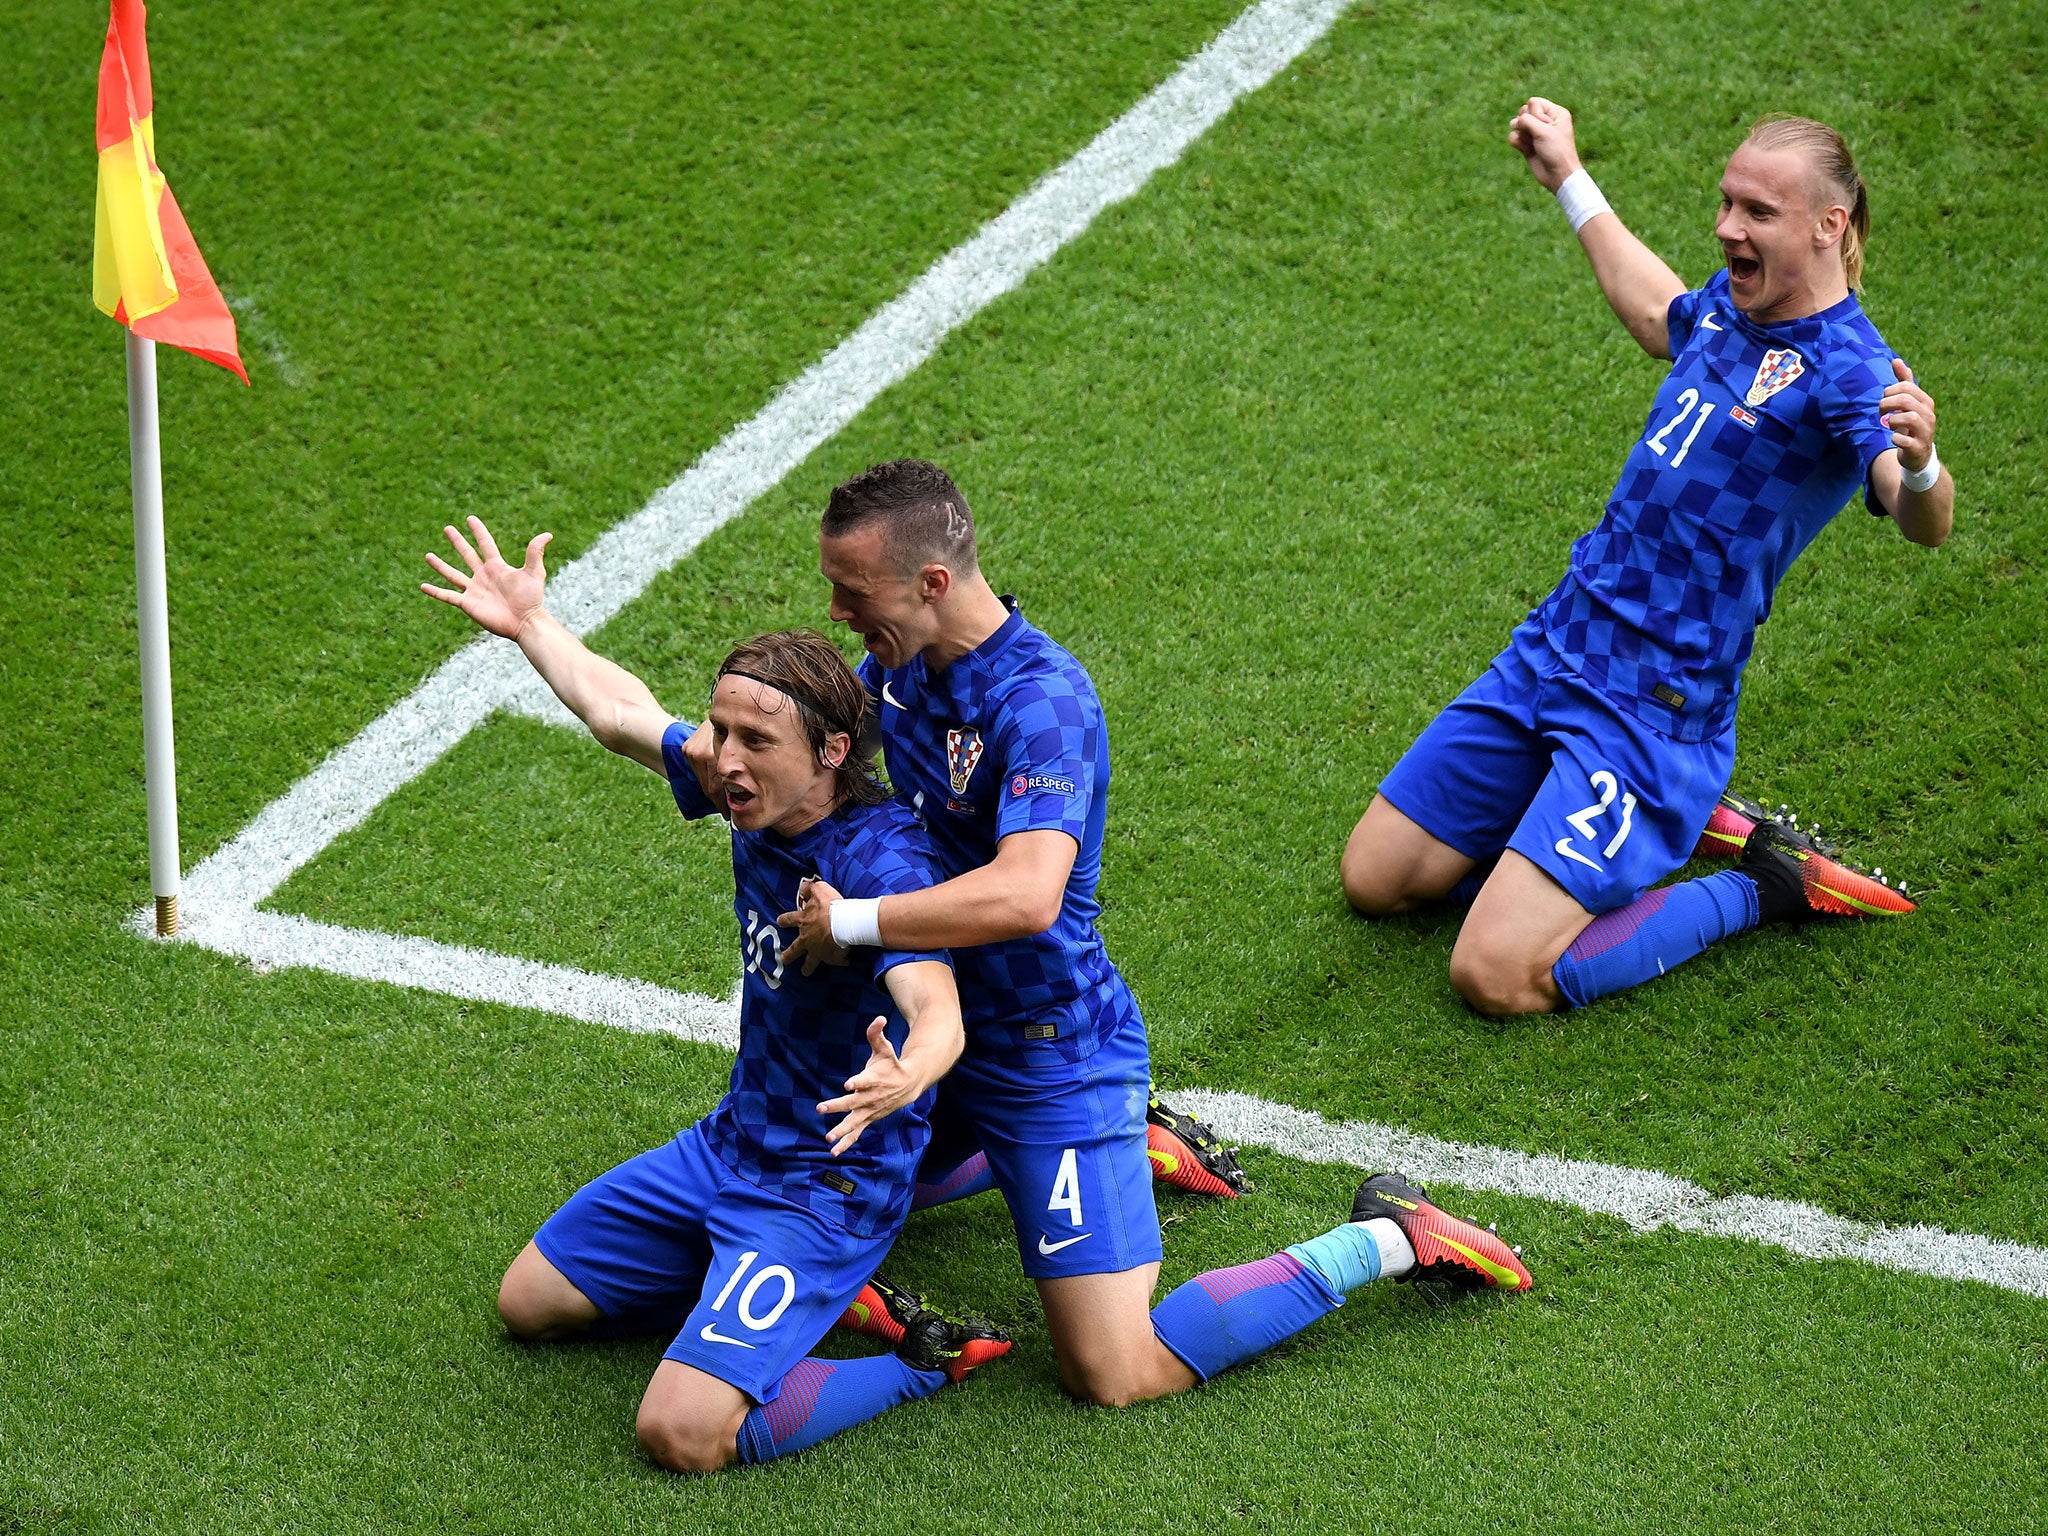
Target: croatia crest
963 752
1780 367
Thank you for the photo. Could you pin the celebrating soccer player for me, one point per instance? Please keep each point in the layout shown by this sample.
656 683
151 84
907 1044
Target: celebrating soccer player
996 736
1592 758
756 1227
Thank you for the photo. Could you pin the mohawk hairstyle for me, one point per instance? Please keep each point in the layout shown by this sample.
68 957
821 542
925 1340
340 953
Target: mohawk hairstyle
923 517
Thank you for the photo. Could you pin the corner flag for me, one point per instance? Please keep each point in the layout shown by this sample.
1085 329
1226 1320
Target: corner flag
148 275
146 271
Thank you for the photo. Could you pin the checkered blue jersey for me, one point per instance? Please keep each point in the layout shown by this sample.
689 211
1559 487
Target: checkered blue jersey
1010 738
802 1037
1757 439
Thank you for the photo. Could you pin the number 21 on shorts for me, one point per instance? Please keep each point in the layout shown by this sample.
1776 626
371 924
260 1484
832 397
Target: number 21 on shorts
1582 821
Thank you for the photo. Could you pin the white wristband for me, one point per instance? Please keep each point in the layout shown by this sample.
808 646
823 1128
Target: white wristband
1580 199
1923 478
857 921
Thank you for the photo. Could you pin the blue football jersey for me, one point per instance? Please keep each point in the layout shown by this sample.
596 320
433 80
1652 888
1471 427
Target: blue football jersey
1010 738
802 1037
1757 439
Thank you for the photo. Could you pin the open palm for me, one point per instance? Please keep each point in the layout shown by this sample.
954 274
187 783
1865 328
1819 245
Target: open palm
498 596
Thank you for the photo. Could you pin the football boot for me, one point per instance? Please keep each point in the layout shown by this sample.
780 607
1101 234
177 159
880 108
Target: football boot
1798 878
1448 1249
880 1311
1186 1154
933 1341
1729 827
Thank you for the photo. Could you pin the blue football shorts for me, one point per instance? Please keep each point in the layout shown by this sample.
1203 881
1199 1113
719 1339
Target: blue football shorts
1530 757
756 1279
1066 1145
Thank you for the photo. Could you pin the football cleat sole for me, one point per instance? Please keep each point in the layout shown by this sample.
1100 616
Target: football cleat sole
1449 1250
1729 827
1833 887
1187 1154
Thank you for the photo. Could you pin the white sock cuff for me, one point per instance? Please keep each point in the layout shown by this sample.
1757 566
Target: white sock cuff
1397 1254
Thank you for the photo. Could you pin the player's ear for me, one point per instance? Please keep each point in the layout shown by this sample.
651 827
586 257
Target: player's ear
934 582
833 753
1832 225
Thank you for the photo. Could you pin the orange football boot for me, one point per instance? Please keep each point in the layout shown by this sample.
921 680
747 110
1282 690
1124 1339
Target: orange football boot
1187 1154
1448 1249
1798 877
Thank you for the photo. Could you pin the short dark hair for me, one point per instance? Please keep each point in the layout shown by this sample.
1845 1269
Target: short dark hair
923 516
809 671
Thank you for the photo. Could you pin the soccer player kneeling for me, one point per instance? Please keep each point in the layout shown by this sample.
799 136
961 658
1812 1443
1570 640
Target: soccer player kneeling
1592 758
754 1229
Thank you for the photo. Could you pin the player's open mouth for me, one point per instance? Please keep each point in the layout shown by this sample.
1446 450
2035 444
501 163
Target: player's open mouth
1744 269
736 798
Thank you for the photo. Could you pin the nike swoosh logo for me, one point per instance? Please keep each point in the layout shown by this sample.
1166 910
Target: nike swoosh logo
711 1335
1051 1248
1707 323
1564 846
890 698
1501 1274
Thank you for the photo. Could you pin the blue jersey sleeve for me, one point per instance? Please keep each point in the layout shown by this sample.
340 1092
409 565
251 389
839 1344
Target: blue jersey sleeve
1848 400
1048 743
682 779
889 857
1684 311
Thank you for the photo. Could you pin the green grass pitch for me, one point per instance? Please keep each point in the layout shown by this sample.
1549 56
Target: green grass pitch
1281 448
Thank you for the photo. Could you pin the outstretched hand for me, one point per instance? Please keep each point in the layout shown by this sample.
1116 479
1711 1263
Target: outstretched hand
1908 410
1542 131
814 944
498 596
874 1093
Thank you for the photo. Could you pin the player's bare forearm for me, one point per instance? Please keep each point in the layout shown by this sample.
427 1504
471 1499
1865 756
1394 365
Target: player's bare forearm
930 1004
1638 286
1924 516
619 709
1016 896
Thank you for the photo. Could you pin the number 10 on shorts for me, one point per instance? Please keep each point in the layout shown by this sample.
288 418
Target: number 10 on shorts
777 1274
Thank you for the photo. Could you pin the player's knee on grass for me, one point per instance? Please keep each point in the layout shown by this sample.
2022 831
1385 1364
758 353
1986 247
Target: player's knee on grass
537 1301
1390 864
690 1421
1499 978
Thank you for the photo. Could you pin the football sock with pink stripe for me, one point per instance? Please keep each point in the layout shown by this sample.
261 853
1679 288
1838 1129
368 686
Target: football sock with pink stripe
819 1398
968 1178
1226 1316
1656 931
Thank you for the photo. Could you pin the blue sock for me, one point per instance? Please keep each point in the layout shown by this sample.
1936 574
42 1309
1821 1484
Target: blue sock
1229 1315
970 1178
819 1398
1656 931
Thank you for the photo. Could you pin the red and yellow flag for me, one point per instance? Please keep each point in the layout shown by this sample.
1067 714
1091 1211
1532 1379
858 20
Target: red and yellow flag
146 272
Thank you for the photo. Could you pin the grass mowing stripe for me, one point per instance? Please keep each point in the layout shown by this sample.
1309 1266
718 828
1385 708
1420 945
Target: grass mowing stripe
754 457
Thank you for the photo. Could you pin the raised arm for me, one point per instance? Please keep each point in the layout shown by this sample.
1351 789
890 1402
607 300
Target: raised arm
507 600
1638 285
1925 516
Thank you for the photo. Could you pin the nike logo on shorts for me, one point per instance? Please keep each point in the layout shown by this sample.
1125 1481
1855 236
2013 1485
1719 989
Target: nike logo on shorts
1051 1248
711 1335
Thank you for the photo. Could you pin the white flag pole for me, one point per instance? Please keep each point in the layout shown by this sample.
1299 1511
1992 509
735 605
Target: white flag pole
153 616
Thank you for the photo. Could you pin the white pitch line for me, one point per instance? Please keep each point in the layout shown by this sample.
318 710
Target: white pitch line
488 675
755 456
1644 1199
